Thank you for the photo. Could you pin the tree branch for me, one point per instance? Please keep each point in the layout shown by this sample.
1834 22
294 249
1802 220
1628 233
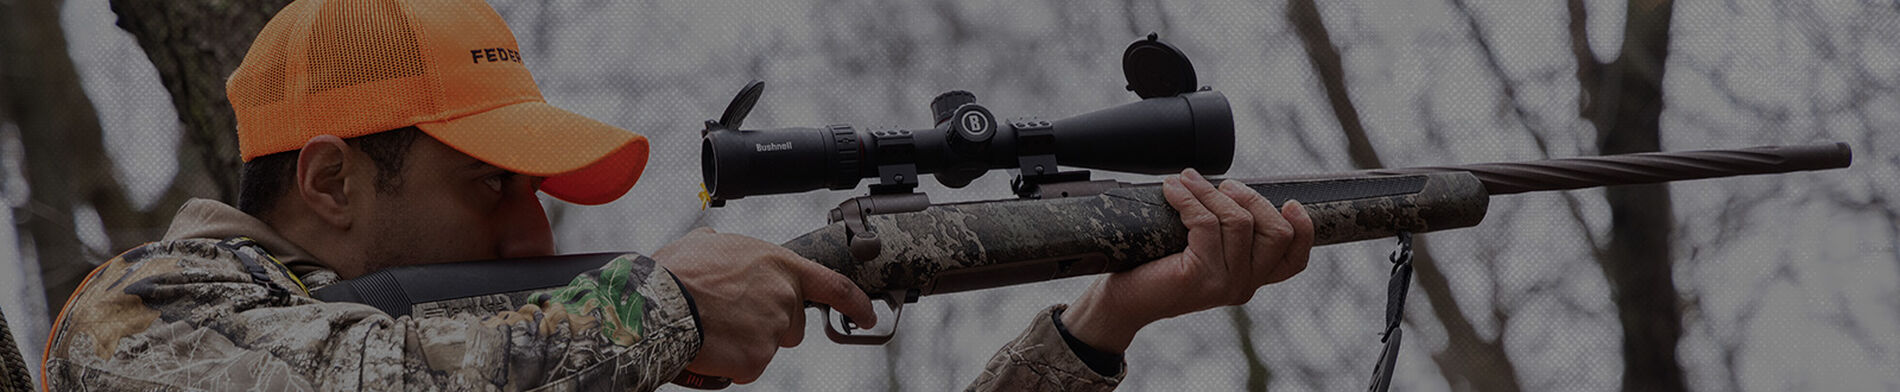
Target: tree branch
1469 360
1304 15
1589 71
1258 375
1523 114
64 155
195 44
1637 257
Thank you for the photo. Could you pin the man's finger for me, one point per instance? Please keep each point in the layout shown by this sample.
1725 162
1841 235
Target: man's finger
1240 234
1203 227
789 314
1267 224
1236 225
822 285
1302 245
1266 218
794 332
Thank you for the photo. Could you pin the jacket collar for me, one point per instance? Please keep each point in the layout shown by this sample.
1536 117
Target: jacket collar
204 218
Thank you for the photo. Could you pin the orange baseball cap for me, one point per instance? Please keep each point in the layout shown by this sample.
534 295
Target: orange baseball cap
449 67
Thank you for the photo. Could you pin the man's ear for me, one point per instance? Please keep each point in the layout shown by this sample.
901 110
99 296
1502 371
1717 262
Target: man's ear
323 179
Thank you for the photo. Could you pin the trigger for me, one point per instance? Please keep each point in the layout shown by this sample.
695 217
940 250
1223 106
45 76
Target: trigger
843 330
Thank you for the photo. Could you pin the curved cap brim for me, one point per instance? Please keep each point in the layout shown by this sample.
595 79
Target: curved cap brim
585 161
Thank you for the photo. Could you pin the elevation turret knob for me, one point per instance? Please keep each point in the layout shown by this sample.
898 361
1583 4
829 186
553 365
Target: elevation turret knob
947 103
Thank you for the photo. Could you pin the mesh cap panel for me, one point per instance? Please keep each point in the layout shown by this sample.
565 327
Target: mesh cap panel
351 45
452 68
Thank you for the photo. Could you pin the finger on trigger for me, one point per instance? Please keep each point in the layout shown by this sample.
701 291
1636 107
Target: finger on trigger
822 285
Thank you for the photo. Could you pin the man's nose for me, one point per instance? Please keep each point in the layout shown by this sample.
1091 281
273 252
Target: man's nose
524 224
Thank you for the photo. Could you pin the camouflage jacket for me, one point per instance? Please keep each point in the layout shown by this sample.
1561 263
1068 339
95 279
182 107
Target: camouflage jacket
208 308
1041 360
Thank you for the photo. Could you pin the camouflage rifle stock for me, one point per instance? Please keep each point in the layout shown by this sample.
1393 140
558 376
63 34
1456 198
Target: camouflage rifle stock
1090 227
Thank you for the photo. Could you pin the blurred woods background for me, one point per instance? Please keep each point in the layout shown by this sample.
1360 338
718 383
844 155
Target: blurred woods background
113 113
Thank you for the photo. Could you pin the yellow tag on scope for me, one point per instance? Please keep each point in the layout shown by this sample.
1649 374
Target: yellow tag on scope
704 197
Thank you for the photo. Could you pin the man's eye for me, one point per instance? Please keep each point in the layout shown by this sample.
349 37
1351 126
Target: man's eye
495 182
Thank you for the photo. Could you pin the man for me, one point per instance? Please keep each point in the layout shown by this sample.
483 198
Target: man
378 134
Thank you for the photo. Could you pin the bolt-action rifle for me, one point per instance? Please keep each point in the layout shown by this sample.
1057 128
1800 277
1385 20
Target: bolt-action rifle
898 246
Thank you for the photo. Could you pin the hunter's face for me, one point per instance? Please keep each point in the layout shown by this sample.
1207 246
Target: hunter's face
449 206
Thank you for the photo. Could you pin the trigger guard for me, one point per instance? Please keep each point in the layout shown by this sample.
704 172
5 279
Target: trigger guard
843 334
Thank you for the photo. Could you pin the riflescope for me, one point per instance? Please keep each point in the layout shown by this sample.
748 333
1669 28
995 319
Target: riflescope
1175 126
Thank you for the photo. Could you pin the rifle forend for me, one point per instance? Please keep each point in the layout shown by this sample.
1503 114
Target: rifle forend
1090 227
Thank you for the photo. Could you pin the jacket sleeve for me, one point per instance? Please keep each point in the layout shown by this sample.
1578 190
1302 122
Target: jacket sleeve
1040 360
189 314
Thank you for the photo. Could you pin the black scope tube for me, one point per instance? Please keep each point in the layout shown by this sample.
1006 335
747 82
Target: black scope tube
1153 136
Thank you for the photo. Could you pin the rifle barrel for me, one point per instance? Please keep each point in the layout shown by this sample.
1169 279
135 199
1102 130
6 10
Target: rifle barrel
1644 168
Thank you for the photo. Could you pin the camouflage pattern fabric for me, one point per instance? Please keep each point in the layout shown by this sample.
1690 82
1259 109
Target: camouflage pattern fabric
1039 360
596 290
208 314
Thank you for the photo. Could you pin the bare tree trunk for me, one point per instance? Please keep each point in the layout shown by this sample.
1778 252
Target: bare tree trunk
1304 15
65 159
1624 103
1470 361
195 44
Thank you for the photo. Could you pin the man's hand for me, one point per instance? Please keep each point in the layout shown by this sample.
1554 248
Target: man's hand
751 298
1237 242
